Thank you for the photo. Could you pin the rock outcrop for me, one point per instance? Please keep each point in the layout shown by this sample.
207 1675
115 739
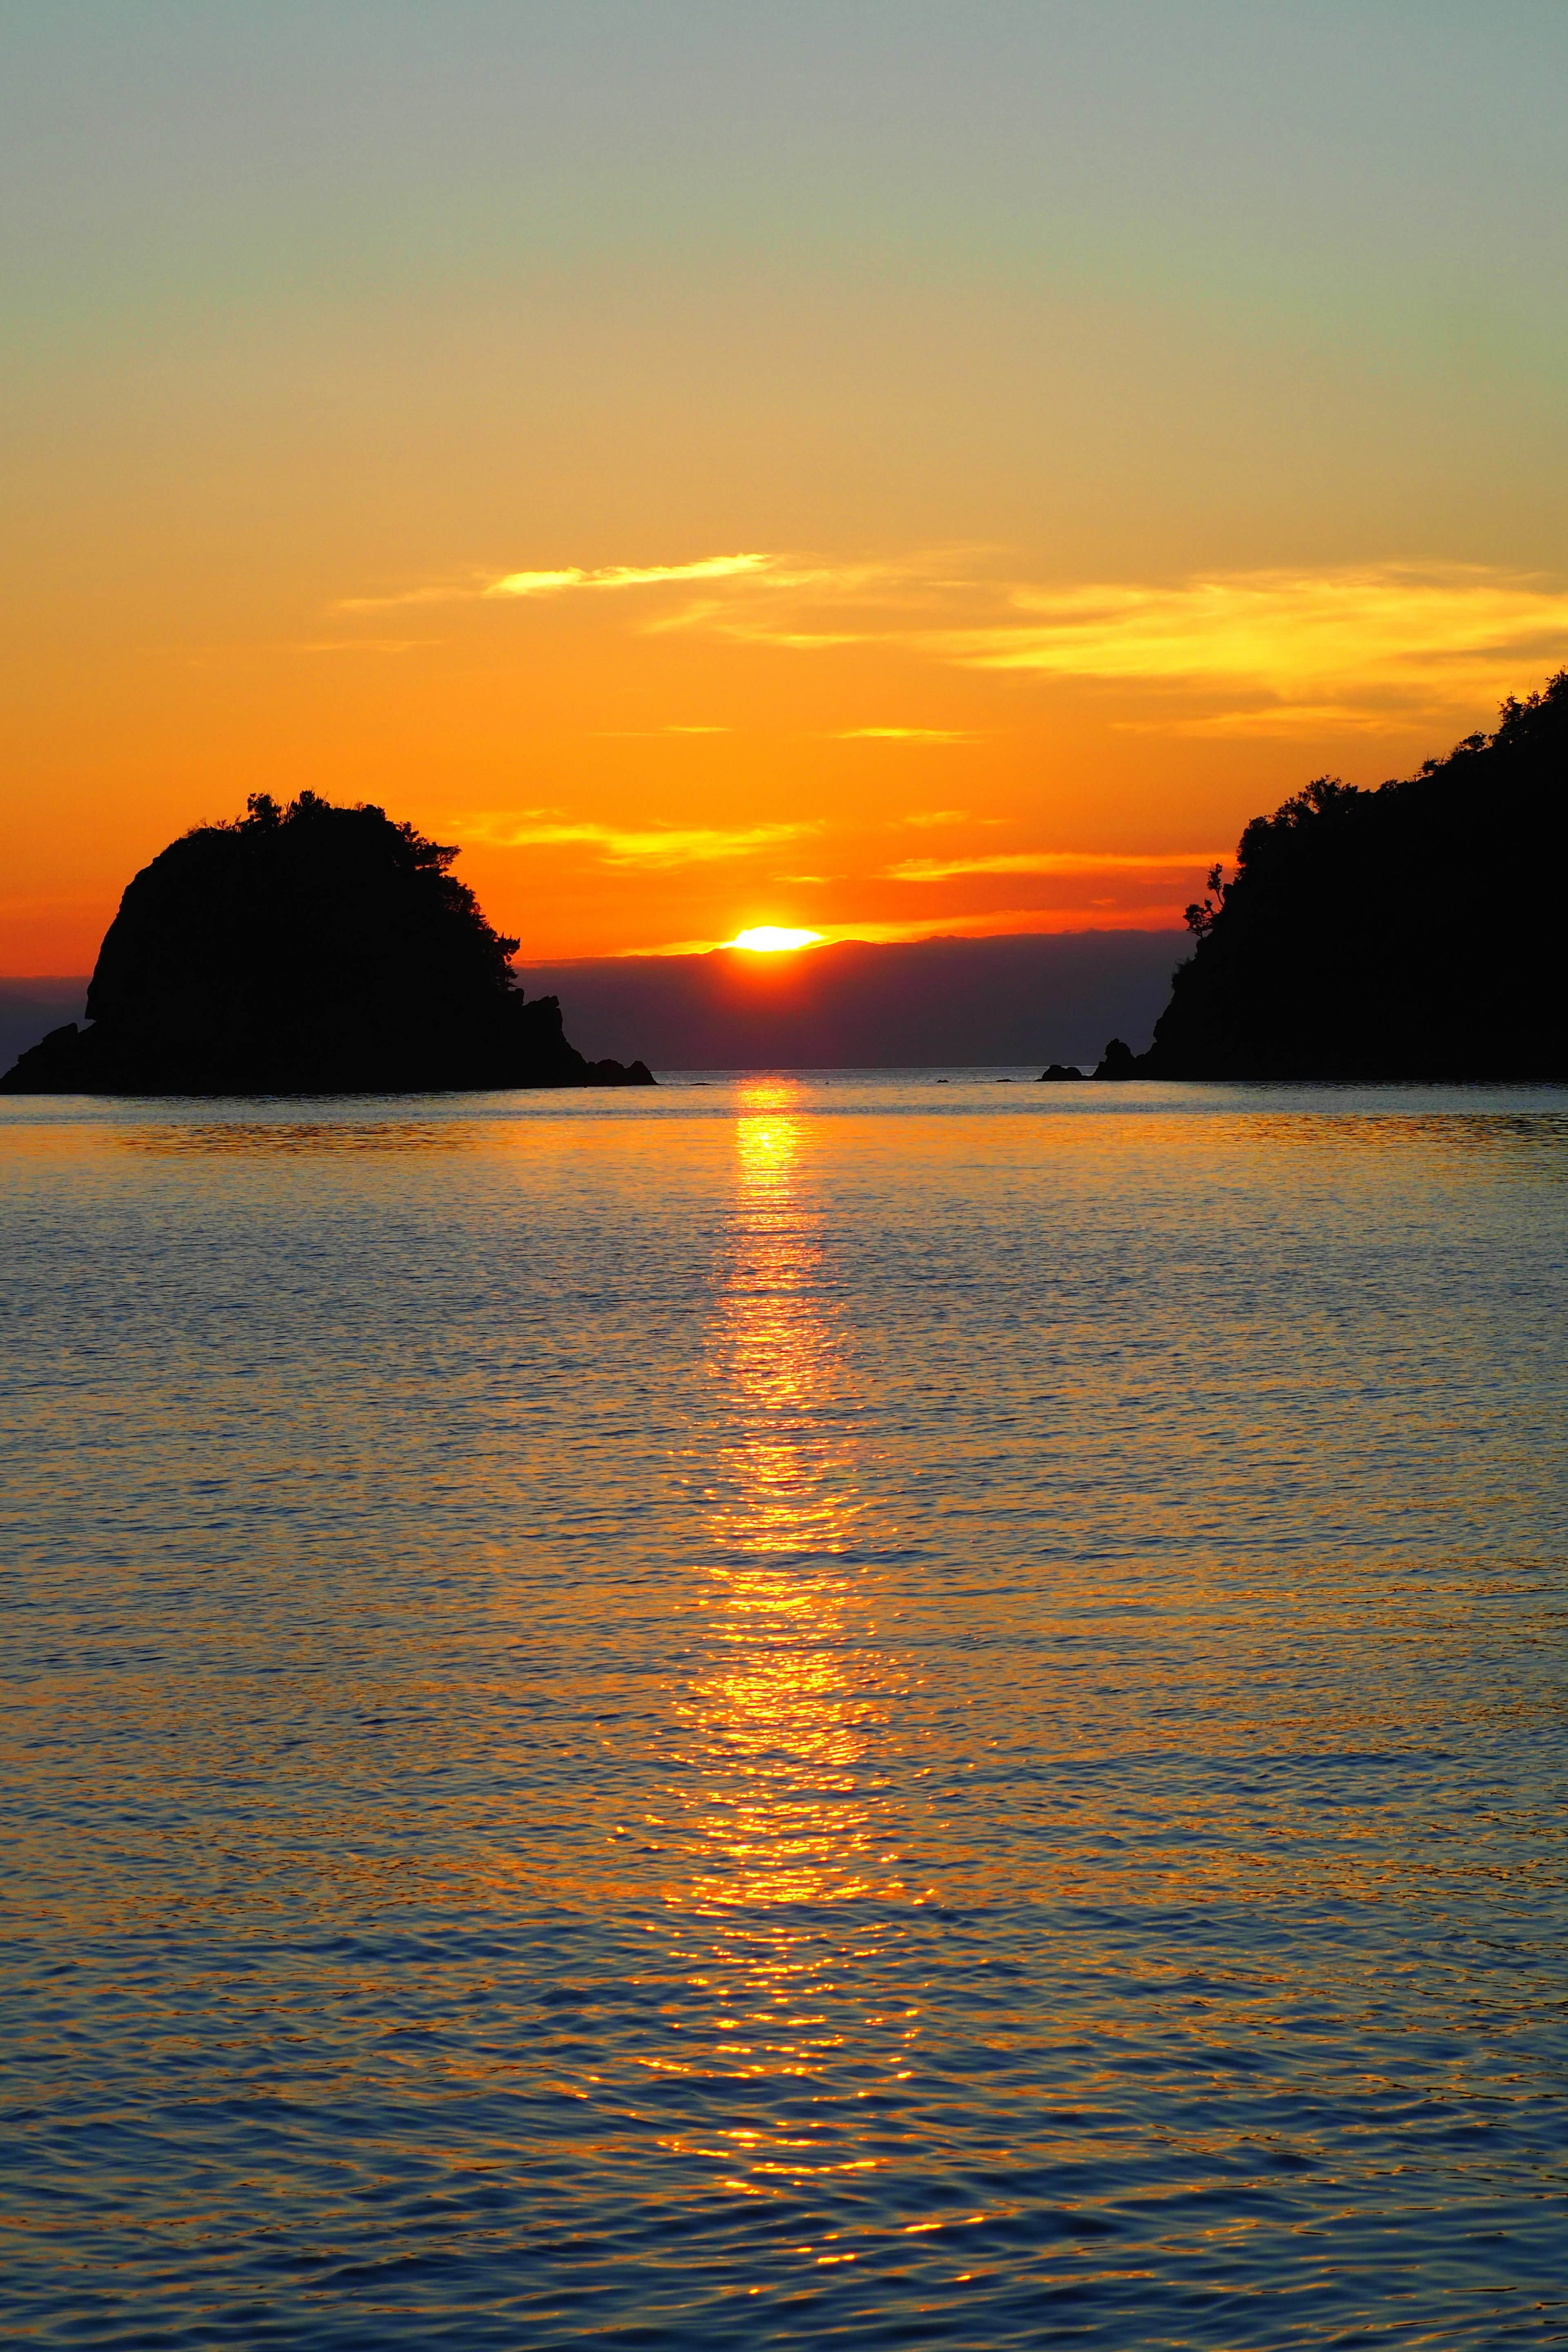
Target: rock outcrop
306 949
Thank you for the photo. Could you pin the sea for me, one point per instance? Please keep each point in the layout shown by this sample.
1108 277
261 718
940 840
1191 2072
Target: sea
831 1709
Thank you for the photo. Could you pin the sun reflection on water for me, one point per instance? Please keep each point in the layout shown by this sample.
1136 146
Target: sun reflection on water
789 1874
789 1880
795 1686
785 1482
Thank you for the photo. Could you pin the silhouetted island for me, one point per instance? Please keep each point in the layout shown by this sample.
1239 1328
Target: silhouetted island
306 949
1413 931
1118 1061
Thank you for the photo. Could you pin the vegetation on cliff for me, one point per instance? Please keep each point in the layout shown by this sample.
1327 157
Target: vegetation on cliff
1413 931
309 949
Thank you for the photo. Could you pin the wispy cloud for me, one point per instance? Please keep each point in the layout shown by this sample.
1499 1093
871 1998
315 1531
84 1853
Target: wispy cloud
621 845
1284 652
472 586
904 735
1008 922
626 575
811 603
1290 652
1378 715
429 592
1052 861
648 734
1281 632
748 622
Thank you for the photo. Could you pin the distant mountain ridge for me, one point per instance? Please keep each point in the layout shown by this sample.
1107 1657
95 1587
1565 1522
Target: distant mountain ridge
937 1003
1413 931
1008 1002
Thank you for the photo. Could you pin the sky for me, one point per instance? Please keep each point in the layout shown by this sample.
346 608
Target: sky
887 467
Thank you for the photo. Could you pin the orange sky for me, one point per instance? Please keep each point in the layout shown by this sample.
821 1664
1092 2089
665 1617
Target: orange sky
755 472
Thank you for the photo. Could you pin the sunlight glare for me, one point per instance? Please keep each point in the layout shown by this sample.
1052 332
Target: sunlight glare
768 940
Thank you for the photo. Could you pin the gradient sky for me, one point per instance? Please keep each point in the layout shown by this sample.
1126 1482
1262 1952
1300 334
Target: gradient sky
882 467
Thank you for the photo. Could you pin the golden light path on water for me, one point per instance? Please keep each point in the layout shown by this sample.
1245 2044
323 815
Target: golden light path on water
788 1840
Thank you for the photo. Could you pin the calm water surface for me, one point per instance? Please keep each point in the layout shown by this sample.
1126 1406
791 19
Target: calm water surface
786 1712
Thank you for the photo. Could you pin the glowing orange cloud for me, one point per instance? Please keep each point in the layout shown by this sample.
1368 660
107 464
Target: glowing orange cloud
1053 861
626 575
1281 633
618 845
634 755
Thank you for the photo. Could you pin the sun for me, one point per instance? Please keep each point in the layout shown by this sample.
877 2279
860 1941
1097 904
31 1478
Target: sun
768 940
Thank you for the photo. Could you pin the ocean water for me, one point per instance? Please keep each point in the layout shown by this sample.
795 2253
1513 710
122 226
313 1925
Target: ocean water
787 1711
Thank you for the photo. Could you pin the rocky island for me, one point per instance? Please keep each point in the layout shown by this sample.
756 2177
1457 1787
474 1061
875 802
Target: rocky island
306 949
1410 932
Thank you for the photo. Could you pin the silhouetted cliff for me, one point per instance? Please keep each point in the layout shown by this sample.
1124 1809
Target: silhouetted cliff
302 950
1415 931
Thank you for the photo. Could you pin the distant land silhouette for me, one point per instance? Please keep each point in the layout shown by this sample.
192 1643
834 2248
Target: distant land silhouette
1413 931
944 1002
921 1003
29 1009
1409 932
310 948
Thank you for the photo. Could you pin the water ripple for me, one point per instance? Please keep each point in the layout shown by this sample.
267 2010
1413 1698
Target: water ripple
786 1713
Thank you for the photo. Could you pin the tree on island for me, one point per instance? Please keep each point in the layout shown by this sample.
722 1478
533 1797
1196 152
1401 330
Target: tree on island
306 949
1413 931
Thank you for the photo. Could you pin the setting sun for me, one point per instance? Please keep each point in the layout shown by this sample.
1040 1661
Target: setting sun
768 940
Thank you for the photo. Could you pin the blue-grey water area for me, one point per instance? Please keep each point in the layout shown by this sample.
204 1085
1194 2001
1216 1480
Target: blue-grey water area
844 1710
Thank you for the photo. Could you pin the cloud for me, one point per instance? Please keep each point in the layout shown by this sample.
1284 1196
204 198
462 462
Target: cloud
1285 720
649 734
621 845
1255 652
904 735
1052 861
1278 631
1287 653
472 586
751 628
433 592
1006 922
626 575
762 597
812 603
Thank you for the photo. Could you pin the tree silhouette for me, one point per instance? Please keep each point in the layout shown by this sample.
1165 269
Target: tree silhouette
1409 931
1201 915
305 948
